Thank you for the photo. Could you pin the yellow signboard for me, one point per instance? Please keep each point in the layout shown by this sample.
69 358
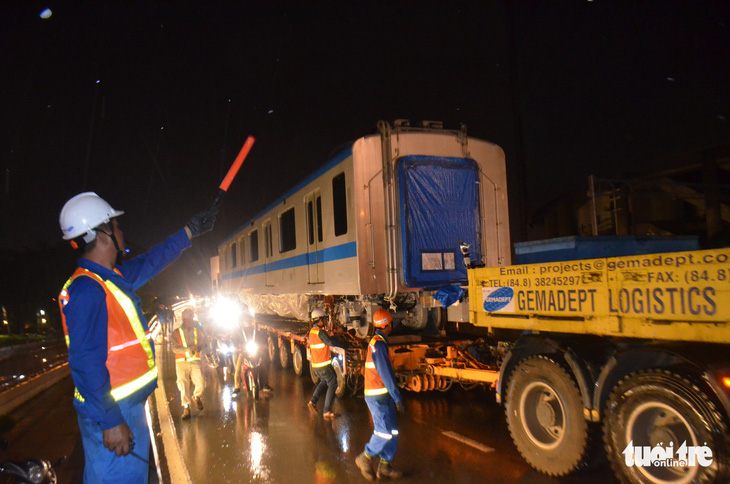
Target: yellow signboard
678 286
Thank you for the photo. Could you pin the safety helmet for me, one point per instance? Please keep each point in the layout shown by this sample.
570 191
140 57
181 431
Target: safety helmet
318 313
83 213
382 318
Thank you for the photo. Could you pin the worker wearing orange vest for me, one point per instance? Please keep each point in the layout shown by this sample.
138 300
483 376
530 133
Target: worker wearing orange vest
111 357
321 361
383 398
188 341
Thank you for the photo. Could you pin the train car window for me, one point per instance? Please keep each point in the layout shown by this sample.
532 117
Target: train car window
339 204
310 222
253 246
233 255
319 219
287 231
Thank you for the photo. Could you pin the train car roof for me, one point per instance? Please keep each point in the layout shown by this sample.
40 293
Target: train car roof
335 160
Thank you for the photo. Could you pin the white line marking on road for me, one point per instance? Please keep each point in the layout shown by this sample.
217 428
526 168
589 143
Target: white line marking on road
467 441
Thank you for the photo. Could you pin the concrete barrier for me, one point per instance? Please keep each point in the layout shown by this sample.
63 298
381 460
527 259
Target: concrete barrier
16 396
12 350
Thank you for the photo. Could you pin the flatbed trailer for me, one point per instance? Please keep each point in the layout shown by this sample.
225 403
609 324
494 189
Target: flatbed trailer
633 351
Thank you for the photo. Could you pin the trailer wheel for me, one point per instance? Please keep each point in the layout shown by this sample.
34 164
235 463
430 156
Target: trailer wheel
284 355
444 384
439 317
659 407
299 360
545 416
273 346
313 375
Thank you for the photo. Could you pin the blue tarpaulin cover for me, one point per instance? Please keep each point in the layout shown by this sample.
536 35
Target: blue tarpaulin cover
439 208
449 295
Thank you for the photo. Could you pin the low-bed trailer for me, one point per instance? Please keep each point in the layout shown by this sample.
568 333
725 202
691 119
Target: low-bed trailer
633 349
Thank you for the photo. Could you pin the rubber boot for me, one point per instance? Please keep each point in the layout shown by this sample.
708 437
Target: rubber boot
387 471
365 463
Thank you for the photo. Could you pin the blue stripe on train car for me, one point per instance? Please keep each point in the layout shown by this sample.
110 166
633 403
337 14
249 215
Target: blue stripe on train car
329 254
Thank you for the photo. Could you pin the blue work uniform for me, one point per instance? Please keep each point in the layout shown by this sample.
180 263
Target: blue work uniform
87 321
384 441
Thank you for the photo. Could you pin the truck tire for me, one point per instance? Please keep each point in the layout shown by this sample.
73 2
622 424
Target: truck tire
273 346
545 416
654 407
284 355
299 360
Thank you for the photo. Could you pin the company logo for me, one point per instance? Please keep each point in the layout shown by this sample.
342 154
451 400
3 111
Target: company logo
658 456
499 298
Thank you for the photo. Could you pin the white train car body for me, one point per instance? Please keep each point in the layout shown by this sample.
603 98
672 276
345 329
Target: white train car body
380 223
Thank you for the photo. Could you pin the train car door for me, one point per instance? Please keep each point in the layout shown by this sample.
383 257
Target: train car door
315 262
268 253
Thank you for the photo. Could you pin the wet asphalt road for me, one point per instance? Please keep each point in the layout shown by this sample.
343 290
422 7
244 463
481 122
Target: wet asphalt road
454 437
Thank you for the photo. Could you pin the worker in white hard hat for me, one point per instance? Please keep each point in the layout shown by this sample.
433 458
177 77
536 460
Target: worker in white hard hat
111 357
321 360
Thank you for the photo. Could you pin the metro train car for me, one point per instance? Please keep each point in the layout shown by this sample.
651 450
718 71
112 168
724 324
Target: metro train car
380 224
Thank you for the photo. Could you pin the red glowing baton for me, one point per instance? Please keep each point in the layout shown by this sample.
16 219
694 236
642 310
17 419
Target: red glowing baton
233 171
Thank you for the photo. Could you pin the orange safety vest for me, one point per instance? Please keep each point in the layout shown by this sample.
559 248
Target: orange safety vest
318 351
188 355
373 383
130 359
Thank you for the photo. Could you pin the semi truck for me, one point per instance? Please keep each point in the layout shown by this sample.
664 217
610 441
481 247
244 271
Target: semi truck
623 353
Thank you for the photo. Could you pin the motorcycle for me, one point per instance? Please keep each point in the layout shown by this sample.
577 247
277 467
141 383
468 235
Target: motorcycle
225 349
33 471
251 361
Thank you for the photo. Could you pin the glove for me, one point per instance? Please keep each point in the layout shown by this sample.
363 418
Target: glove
401 407
202 222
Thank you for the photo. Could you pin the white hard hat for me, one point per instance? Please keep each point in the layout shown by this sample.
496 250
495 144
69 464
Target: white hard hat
83 213
318 313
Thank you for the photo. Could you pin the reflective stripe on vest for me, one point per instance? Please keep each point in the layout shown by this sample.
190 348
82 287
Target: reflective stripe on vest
130 359
187 356
318 351
373 383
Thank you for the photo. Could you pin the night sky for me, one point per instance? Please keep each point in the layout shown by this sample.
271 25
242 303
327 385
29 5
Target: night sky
147 103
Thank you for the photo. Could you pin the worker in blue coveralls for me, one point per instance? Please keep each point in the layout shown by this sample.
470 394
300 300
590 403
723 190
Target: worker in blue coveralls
383 398
111 357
